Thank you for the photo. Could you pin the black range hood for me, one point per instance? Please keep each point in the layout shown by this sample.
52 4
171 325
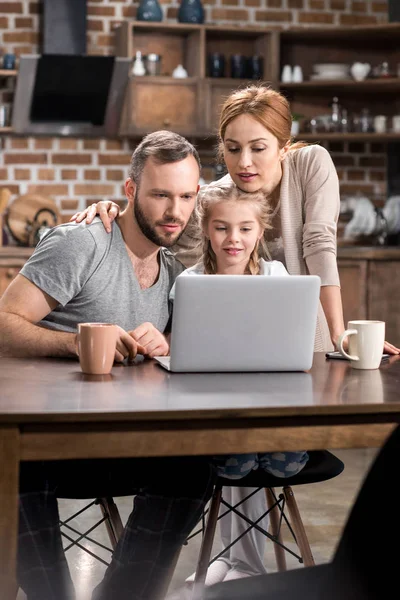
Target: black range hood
74 95
63 91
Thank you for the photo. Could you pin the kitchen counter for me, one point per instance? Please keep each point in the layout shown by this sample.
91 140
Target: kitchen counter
369 252
9 254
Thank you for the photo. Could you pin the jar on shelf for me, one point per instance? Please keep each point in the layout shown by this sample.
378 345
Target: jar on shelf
191 11
366 123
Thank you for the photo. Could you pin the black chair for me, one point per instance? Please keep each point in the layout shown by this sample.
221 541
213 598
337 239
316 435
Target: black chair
365 565
109 516
96 489
321 466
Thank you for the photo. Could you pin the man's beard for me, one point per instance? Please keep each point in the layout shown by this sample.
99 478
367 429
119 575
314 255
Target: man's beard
149 231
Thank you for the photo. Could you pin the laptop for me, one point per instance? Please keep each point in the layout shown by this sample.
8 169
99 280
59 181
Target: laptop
234 323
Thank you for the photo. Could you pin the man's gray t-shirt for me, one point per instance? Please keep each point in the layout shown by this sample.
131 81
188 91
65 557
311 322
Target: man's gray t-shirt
88 271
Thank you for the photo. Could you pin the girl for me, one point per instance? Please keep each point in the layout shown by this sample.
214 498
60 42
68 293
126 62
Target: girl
233 224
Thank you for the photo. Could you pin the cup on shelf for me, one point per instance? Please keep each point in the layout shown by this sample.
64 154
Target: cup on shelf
380 124
152 63
238 66
216 65
255 67
396 123
297 75
287 75
5 115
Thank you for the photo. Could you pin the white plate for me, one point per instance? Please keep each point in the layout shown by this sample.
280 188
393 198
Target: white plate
329 76
331 67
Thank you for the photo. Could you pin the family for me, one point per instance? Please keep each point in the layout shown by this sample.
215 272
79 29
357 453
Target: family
274 214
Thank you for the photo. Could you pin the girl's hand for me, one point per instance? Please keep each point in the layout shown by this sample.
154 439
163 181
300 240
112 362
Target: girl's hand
390 348
106 209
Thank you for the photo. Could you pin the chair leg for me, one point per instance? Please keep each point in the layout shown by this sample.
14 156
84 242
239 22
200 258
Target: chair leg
113 520
275 530
298 528
206 544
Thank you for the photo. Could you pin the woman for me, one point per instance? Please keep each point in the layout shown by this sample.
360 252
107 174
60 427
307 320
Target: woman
301 185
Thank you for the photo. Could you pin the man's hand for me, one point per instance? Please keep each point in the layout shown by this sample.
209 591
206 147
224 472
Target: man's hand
127 346
151 341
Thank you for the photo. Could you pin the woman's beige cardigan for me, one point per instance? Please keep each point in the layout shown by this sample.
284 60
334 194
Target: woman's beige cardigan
309 210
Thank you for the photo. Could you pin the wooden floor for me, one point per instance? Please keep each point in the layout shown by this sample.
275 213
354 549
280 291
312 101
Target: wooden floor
324 508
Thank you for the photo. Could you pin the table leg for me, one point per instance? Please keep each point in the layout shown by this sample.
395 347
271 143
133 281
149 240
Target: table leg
9 471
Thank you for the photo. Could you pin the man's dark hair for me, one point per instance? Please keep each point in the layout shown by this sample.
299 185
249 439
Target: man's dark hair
164 147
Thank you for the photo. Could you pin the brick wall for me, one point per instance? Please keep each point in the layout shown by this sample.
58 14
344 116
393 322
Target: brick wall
76 172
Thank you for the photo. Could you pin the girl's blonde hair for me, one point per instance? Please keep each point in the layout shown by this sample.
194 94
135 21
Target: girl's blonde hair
266 106
215 194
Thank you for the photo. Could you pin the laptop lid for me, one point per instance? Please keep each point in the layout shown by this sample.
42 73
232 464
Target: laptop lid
238 323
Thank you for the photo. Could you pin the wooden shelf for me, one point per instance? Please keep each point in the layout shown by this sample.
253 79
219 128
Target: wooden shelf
231 81
349 137
8 72
390 84
370 33
5 130
164 79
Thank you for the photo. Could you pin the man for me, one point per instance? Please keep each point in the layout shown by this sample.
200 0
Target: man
80 273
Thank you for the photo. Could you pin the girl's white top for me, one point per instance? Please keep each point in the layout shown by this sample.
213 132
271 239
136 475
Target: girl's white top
273 267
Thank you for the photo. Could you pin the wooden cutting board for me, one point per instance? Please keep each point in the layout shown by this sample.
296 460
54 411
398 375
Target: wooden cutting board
5 196
28 213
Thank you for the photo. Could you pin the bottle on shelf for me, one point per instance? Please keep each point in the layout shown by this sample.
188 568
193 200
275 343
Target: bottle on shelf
344 121
335 123
365 121
138 68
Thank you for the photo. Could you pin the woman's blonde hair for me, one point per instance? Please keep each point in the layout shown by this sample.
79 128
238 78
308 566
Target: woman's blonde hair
215 194
266 106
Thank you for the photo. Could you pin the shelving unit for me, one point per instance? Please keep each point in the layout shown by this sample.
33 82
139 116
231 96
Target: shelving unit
5 74
373 44
189 106
152 104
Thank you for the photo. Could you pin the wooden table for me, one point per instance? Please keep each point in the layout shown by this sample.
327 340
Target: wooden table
50 410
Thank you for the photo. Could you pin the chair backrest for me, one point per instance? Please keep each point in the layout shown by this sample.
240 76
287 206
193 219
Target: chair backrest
367 558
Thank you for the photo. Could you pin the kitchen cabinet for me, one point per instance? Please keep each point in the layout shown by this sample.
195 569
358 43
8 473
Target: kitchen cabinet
371 286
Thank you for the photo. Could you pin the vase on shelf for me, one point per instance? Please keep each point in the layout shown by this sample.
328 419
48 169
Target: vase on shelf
149 10
191 11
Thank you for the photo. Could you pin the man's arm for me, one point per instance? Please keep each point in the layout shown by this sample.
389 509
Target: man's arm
22 306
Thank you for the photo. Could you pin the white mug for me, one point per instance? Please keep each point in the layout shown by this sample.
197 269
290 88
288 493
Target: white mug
380 123
297 75
366 341
396 123
287 74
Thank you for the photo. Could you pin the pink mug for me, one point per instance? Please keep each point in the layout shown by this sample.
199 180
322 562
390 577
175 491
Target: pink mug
96 347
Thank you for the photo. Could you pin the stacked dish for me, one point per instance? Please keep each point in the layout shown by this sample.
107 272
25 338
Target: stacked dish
330 71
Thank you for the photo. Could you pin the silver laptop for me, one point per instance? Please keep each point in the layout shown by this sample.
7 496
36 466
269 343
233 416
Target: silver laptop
236 323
